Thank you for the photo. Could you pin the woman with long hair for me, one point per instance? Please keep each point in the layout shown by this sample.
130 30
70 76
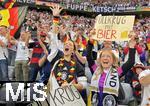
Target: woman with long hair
105 84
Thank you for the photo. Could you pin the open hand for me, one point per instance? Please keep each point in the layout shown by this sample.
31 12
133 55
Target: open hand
92 32
56 9
65 84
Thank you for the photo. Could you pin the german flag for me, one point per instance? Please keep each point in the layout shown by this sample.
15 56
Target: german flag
56 20
8 3
13 18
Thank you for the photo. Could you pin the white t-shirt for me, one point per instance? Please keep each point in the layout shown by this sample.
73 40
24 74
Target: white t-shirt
3 50
146 90
22 51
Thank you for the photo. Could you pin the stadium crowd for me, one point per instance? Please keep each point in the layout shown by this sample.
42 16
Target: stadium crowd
108 2
50 43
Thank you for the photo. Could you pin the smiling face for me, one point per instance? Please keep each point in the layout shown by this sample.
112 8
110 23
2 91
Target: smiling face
106 59
3 30
68 48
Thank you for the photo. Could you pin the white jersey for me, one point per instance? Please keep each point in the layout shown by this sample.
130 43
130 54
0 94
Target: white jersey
22 51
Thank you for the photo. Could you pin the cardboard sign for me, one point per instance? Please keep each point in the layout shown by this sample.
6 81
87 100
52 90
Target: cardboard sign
113 28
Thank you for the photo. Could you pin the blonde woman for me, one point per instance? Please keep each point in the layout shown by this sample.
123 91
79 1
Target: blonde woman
105 81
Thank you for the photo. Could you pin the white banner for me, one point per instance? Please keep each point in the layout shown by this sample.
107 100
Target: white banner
58 96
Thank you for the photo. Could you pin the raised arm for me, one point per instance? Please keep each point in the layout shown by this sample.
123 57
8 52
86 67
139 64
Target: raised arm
81 58
131 59
56 9
8 37
42 60
13 41
42 44
89 57
28 38
3 43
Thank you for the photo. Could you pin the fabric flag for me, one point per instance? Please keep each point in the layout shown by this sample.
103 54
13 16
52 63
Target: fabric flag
13 18
66 17
1 0
56 20
8 3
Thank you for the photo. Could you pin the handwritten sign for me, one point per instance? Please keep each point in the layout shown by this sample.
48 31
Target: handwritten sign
58 96
113 28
